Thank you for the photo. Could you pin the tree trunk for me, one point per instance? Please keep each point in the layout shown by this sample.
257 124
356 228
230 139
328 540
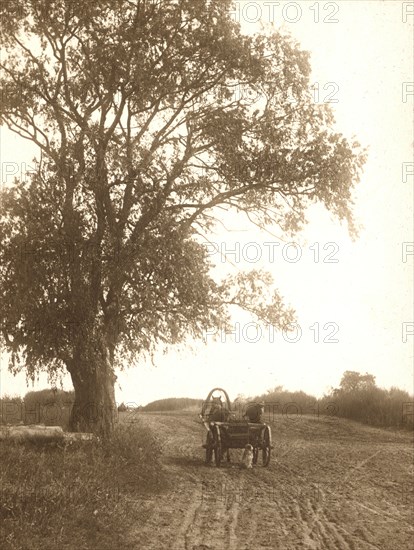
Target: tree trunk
93 378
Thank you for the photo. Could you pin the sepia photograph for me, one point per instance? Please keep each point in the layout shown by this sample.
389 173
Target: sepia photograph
206 275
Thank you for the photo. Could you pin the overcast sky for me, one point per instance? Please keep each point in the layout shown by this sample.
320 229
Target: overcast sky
356 296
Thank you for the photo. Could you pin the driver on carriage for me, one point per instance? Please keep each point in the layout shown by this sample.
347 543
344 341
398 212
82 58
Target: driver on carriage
254 412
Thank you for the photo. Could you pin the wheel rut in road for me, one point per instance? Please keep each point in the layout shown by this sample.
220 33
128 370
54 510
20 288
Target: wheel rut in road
307 498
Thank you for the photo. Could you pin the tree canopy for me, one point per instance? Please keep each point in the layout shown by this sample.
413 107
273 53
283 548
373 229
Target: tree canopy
353 381
143 143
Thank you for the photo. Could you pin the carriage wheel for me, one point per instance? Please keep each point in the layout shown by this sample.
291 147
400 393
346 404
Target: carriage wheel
217 446
266 446
255 455
209 448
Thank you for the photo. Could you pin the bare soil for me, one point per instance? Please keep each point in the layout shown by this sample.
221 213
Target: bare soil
331 484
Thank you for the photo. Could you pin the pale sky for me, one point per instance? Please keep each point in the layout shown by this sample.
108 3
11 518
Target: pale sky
364 59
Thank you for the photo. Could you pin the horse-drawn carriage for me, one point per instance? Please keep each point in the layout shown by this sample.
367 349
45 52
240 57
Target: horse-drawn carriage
225 431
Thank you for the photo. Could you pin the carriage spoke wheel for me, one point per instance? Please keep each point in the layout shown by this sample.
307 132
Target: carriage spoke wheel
266 446
255 455
217 446
209 448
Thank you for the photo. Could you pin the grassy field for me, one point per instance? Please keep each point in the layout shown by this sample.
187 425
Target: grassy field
77 496
332 484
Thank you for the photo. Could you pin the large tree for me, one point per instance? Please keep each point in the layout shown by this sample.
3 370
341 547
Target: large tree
144 141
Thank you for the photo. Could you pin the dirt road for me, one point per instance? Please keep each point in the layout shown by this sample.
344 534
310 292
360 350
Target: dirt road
331 485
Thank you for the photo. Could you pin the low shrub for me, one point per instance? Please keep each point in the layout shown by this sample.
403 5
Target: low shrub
11 410
49 406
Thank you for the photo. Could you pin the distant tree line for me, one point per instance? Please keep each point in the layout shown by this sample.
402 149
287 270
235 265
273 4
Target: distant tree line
51 407
357 398
173 404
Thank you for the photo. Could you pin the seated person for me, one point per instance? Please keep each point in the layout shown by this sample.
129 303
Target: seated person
254 412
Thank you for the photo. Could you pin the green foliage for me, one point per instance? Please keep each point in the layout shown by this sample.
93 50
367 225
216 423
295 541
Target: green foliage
296 403
360 399
11 409
49 406
354 381
143 143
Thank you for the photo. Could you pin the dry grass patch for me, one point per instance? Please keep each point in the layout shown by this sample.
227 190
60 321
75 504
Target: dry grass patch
78 495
